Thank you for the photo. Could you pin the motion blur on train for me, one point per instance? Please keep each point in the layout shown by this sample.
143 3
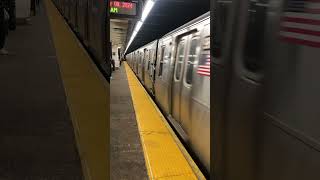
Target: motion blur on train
259 76
264 60
265 89
175 69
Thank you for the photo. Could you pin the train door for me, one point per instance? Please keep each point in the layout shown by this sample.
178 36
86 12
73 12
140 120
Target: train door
144 63
221 25
163 75
158 81
141 57
192 53
177 78
86 22
137 62
151 70
134 61
241 130
147 75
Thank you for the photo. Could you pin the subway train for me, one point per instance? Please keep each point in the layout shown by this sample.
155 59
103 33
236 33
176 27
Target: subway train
175 69
87 18
265 90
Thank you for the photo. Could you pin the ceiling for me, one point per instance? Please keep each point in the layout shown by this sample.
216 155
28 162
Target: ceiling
118 31
166 16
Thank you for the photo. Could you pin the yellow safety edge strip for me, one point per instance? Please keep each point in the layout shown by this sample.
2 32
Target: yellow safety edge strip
165 156
87 96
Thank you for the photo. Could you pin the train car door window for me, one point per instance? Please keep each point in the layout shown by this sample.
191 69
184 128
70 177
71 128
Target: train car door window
255 34
149 59
192 55
219 26
146 59
161 60
179 60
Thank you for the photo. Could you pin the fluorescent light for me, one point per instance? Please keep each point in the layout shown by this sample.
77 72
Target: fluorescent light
138 26
134 34
147 9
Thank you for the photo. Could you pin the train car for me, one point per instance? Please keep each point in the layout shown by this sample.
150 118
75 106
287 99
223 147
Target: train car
88 19
73 14
181 81
266 90
182 84
67 10
82 20
291 97
146 61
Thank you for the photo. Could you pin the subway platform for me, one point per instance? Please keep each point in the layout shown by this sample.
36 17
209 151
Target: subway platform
54 105
55 113
141 136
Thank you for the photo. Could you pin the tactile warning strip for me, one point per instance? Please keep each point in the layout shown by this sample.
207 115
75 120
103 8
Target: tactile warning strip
165 158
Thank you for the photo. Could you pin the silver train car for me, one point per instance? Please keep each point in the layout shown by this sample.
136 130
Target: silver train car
175 69
265 59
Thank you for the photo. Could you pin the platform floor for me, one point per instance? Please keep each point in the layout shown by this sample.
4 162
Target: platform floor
37 139
165 156
54 105
126 152
87 93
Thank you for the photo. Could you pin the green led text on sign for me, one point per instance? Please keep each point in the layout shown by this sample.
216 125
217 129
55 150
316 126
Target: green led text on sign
114 10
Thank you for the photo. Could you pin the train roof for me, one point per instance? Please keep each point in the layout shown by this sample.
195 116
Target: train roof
192 22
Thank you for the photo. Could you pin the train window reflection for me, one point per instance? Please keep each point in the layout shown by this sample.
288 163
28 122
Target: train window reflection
180 57
161 60
191 58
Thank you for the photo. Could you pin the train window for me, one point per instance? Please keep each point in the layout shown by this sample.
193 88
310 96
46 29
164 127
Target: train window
140 58
219 25
254 36
150 54
191 59
150 58
145 54
179 60
146 59
161 60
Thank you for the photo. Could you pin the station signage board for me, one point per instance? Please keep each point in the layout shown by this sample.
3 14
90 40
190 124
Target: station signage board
123 8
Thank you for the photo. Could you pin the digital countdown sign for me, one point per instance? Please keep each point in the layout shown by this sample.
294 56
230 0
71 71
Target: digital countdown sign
123 8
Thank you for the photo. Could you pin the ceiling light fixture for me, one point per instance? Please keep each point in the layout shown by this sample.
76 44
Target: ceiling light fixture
146 10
